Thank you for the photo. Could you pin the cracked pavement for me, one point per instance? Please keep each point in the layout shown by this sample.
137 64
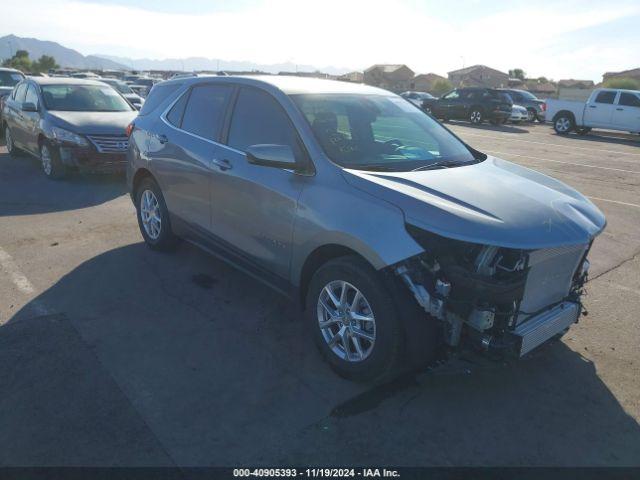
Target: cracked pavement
124 356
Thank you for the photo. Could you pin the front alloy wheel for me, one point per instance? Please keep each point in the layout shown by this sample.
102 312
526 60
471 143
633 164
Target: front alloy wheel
531 115
476 116
346 321
563 125
50 161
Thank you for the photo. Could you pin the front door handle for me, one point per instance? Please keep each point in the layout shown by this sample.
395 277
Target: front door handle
620 109
222 164
592 106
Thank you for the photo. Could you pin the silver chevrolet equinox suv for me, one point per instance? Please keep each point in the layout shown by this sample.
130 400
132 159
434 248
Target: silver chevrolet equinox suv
398 239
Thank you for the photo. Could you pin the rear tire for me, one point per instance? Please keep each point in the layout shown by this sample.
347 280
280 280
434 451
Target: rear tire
563 123
12 150
361 350
532 116
153 216
476 116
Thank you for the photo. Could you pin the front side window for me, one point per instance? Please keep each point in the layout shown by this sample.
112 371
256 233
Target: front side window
83 98
10 79
32 96
629 100
204 113
259 119
19 92
606 97
377 132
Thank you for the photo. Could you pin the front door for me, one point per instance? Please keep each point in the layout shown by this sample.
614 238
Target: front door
599 111
626 116
30 120
446 106
253 207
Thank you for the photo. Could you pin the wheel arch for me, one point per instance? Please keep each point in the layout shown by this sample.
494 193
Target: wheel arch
568 113
140 175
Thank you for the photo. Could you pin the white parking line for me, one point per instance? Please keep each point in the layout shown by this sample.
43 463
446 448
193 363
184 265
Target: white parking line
565 163
615 201
21 282
573 147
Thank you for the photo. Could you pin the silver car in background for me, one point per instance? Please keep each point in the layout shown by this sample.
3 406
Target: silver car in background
398 239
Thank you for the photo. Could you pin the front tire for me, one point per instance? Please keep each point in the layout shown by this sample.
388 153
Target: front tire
353 320
532 116
52 166
563 124
153 217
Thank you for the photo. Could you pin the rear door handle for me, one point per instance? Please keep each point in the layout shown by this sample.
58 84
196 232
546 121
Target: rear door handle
620 109
222 164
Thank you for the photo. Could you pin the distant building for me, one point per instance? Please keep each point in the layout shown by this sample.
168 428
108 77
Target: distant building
540 89
425 82
355 77
579 84
396 78
478 76
633 73
315 74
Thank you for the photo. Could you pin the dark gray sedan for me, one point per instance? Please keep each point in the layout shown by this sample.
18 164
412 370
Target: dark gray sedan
68 123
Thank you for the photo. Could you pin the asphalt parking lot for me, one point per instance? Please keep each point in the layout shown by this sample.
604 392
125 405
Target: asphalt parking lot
113 354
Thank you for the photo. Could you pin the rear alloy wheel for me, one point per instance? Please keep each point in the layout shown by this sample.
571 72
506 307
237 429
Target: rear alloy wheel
153 216
50 161
476 116
563 124
353 320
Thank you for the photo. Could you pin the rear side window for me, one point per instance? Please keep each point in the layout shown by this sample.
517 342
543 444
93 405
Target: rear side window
205 110
175 114
629 100
157 95
606 97
257 119
20 92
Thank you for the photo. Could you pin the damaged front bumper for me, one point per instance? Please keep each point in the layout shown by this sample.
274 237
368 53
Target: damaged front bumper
502 301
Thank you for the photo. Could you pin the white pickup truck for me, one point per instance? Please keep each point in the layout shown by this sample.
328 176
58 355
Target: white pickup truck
607 108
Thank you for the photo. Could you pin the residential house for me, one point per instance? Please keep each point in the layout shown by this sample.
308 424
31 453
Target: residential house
540 89
579 84
355 77
396 78
633 73
478 76
425 82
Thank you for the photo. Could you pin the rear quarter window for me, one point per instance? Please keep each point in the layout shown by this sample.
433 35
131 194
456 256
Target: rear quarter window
159 93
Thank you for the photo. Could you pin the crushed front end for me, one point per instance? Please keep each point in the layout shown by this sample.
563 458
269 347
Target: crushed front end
501 300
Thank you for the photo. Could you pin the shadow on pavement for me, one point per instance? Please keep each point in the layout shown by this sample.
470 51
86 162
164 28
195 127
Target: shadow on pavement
606 137
24 190
152 358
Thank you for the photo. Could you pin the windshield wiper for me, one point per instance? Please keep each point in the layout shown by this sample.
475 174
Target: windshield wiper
440 164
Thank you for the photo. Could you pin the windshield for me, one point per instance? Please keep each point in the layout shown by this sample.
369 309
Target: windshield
118 85
528 95
10 79
83 98
375 132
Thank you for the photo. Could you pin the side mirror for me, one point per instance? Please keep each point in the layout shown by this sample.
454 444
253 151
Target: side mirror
29 107
268 155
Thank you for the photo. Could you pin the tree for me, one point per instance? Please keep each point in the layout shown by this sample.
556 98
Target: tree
441 86
44 64
625 83
517 73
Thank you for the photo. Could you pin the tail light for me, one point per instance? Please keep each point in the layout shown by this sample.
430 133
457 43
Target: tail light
543 107
129 129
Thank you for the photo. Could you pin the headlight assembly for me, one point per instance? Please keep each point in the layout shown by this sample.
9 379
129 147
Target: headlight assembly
65 136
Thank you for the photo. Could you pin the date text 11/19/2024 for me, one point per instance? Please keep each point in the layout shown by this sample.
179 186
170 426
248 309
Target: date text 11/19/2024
316 472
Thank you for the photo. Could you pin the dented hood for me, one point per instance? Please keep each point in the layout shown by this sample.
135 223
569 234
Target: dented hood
493 202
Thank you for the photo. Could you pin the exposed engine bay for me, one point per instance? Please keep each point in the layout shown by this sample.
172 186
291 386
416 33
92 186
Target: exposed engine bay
497 299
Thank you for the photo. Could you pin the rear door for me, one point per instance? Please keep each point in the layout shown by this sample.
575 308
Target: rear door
13 113
183 148
626 116
253 207
30 120
599 110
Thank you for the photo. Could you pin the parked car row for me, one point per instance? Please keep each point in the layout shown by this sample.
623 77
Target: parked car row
397 239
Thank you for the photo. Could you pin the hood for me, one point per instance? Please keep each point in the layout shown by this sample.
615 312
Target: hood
519 108
493 202
132 97
88 123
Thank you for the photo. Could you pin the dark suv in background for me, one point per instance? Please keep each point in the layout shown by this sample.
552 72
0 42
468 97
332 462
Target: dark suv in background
473 104
535 107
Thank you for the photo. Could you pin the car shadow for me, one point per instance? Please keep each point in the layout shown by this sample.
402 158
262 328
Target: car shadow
606 137
134 356
24 190
487 126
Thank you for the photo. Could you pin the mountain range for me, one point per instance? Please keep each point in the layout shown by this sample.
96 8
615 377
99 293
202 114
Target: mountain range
69 58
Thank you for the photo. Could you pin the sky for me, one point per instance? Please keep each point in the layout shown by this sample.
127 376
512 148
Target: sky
557 39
